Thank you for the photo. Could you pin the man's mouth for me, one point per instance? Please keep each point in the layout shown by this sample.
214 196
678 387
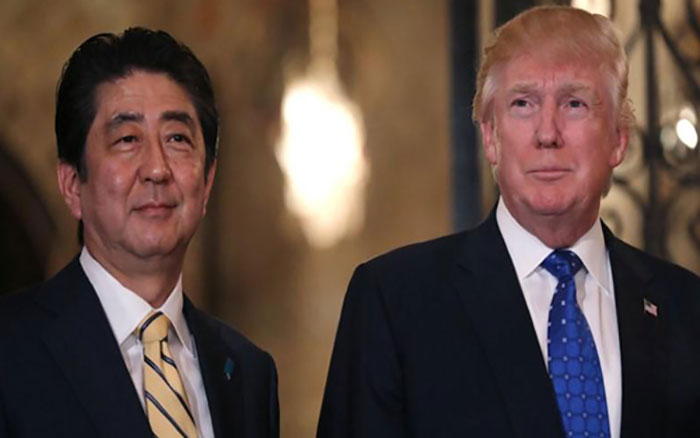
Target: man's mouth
155 209
549 173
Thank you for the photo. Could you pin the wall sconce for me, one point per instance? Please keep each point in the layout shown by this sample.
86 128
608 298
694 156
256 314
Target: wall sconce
321 150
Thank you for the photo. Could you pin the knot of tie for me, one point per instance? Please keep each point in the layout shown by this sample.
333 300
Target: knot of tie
154 328
562 264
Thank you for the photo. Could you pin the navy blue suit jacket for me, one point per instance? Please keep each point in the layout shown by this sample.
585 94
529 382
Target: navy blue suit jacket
435 339
62 373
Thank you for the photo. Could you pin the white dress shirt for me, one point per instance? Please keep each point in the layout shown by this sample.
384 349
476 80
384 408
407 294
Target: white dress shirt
594 293
125 310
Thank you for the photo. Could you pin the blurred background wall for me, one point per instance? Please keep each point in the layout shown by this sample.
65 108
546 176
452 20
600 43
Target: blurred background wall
400 78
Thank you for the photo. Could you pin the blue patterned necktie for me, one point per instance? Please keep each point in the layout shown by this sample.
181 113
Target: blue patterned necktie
574 366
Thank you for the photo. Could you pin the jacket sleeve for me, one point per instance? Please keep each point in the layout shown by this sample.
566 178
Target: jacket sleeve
364 392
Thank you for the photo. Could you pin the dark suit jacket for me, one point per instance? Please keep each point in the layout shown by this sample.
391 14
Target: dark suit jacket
62 374
435 340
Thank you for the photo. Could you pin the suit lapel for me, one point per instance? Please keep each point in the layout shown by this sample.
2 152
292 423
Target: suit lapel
486 281
83 345
223 382
642 347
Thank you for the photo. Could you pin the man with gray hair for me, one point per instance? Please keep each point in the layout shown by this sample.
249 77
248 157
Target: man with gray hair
539 322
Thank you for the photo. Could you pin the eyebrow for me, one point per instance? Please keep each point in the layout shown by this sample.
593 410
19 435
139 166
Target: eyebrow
567 87
121 118
522 87
572 87
178 116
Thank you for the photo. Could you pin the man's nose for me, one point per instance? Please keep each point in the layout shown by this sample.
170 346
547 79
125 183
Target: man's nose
155 167
547 133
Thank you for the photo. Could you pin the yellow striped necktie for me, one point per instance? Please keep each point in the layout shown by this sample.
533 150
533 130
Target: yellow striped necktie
166 400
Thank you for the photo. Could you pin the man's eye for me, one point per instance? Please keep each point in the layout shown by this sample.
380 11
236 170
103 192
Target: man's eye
574 103
128 139
522 107
179 138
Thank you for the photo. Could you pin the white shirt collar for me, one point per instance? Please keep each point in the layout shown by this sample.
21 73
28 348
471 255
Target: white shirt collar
125 309
527 252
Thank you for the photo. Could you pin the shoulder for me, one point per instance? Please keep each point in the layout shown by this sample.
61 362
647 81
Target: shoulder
418 258
26 307
438 256
231 339
675 285
650 267
18 301
17 310
407 278
70 279
27 315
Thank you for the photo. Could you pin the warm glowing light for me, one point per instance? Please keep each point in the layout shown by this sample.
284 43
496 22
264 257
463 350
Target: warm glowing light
687 112
668 138
321 154
601 7
687 133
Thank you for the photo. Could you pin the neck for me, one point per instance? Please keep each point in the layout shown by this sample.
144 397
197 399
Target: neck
556 233
557 230
152 280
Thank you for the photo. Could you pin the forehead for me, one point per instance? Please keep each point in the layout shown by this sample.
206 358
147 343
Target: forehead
142 92
548 73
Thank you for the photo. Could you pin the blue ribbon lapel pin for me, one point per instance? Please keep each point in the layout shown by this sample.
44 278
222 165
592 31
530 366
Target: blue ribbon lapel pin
228 368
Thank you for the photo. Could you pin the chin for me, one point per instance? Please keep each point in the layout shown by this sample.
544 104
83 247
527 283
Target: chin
549 205
157 248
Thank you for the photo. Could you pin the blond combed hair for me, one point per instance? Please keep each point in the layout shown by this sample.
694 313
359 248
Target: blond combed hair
556 33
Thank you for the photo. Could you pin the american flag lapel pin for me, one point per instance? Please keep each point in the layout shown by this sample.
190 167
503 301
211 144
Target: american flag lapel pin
650 308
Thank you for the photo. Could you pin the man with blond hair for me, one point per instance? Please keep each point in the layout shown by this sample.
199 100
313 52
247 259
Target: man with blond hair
539 322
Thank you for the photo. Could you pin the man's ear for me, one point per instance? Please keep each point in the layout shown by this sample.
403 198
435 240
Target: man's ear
69 185
620 145
488 138
208 184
